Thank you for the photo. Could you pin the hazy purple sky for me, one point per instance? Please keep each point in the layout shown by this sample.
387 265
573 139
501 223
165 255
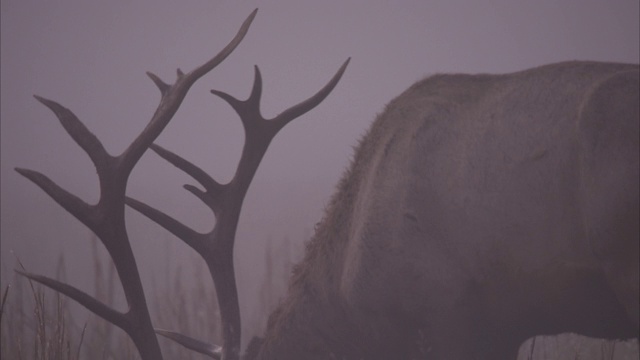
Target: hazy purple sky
92 57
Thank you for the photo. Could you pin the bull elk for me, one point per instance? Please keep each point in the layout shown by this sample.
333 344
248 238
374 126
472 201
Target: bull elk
479 211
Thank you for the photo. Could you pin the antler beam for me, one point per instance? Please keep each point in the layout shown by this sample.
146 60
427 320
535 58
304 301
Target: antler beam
216 247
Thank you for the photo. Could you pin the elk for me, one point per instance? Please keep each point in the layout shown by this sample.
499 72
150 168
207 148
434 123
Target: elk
478 211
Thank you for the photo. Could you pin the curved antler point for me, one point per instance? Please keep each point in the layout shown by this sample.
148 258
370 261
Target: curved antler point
162 86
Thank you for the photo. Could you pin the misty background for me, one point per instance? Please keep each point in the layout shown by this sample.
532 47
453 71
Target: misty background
91 57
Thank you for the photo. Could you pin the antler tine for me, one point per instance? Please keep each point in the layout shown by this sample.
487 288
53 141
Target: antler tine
106 218
211 350
88 301
188 235
173 95
198 72
301 108
194 171
77 130
71 203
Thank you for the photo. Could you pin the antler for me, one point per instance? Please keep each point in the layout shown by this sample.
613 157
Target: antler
225 200
106 218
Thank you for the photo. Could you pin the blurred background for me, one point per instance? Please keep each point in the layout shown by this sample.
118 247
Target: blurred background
91 57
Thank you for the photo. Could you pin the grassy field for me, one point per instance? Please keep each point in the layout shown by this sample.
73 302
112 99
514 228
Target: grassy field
37 323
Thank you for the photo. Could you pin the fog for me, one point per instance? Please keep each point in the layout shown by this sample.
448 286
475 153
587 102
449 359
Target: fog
91 57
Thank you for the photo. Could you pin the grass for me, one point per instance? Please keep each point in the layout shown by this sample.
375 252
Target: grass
38 323
43 334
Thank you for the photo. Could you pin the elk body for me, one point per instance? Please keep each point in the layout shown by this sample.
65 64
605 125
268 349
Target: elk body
479 210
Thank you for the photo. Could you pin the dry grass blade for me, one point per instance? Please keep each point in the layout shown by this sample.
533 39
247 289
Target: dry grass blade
4 301
84 329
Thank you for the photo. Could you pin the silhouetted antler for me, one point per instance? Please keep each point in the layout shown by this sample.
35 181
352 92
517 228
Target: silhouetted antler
225 200
106 218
